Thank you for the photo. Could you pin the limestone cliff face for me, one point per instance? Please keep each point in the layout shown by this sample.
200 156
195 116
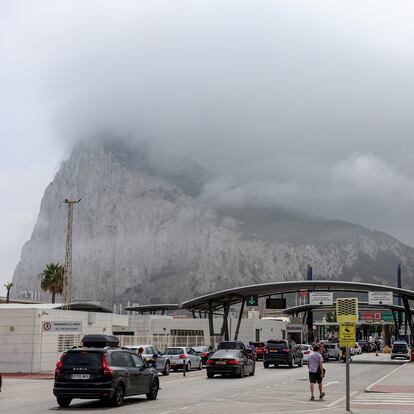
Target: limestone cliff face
141 235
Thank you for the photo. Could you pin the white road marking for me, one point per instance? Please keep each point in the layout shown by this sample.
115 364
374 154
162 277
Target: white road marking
330 383
383 378
340 399
384 398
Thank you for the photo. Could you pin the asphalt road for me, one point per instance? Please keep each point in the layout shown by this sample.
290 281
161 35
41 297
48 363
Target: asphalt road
273 390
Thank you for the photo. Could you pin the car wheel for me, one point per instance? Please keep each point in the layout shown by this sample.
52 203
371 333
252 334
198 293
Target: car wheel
301 362
166 369
210 375
265 364
153 392
392 357
118 397
64 402
337 358
292 363
200 366
188 367
242 373
253 370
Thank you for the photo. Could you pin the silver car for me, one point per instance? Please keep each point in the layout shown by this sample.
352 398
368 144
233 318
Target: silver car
333 350
153 356
179 355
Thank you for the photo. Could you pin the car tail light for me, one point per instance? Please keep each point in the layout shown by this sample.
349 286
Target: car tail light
210 362
203 354
59 365
182 356
285 350
306 353
108 372
233 362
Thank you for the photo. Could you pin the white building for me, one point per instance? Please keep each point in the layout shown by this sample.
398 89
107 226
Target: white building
33 336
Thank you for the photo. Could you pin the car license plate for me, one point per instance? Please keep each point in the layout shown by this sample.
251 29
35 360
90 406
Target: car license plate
221 362
172 363
81 376
272 350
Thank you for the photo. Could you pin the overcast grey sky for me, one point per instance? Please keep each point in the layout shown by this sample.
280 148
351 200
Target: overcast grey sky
305 105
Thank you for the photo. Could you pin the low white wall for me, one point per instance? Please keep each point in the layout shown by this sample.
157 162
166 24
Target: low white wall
25 347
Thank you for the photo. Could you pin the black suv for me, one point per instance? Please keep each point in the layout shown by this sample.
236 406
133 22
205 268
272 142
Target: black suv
282 352
99 369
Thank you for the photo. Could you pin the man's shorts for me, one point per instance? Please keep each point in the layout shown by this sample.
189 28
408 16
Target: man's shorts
315 377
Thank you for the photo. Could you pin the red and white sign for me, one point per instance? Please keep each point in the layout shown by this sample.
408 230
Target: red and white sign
370 316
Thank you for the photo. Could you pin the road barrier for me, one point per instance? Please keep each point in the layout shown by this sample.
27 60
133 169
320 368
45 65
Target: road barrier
165 341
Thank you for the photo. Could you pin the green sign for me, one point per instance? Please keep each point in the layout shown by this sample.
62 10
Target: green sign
387 316
252 300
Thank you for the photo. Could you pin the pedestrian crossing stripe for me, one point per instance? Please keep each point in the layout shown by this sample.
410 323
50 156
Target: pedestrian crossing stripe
384 398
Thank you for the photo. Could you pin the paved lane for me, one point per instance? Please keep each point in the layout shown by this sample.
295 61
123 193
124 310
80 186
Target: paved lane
281 390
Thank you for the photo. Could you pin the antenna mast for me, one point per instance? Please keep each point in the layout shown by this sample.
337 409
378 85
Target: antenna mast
67 275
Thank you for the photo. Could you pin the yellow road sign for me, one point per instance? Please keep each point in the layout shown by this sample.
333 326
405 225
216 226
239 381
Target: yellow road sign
347 309
347 334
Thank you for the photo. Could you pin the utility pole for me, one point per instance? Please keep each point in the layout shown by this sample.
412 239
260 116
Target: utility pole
67 275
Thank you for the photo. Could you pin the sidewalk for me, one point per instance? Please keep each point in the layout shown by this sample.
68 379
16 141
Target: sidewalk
36 376
400 380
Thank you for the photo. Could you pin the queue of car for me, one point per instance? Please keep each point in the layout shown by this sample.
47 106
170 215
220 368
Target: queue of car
100 369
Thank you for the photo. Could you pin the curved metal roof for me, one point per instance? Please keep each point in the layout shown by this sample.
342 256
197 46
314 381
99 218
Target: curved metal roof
154 307
235 295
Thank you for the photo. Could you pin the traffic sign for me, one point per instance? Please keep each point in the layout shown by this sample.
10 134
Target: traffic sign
347 334
276 303
347 309
321 298
380 298
252 300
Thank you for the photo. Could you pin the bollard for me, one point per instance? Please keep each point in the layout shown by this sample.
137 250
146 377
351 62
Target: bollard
184 367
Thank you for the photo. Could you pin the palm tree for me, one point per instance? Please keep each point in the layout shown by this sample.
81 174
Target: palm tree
8 286
52 279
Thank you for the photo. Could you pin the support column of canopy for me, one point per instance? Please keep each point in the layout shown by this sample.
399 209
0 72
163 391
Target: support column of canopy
225 326
396 325
408 317
236 334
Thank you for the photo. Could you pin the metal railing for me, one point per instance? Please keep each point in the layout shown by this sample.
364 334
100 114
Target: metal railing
164 341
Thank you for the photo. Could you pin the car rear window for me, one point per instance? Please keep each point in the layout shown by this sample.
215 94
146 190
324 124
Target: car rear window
304 347
226 353
229 345
277 344
399 347
258 344
201 348
174 351
330 346
84 358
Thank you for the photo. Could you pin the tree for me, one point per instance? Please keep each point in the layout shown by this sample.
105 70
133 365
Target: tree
8 286
52 279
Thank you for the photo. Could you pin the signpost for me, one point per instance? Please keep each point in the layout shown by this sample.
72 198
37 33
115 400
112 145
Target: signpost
321 298
347 315
252 300
380 298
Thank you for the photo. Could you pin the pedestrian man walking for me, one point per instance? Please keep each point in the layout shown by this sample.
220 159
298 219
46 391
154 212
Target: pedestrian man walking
316 371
